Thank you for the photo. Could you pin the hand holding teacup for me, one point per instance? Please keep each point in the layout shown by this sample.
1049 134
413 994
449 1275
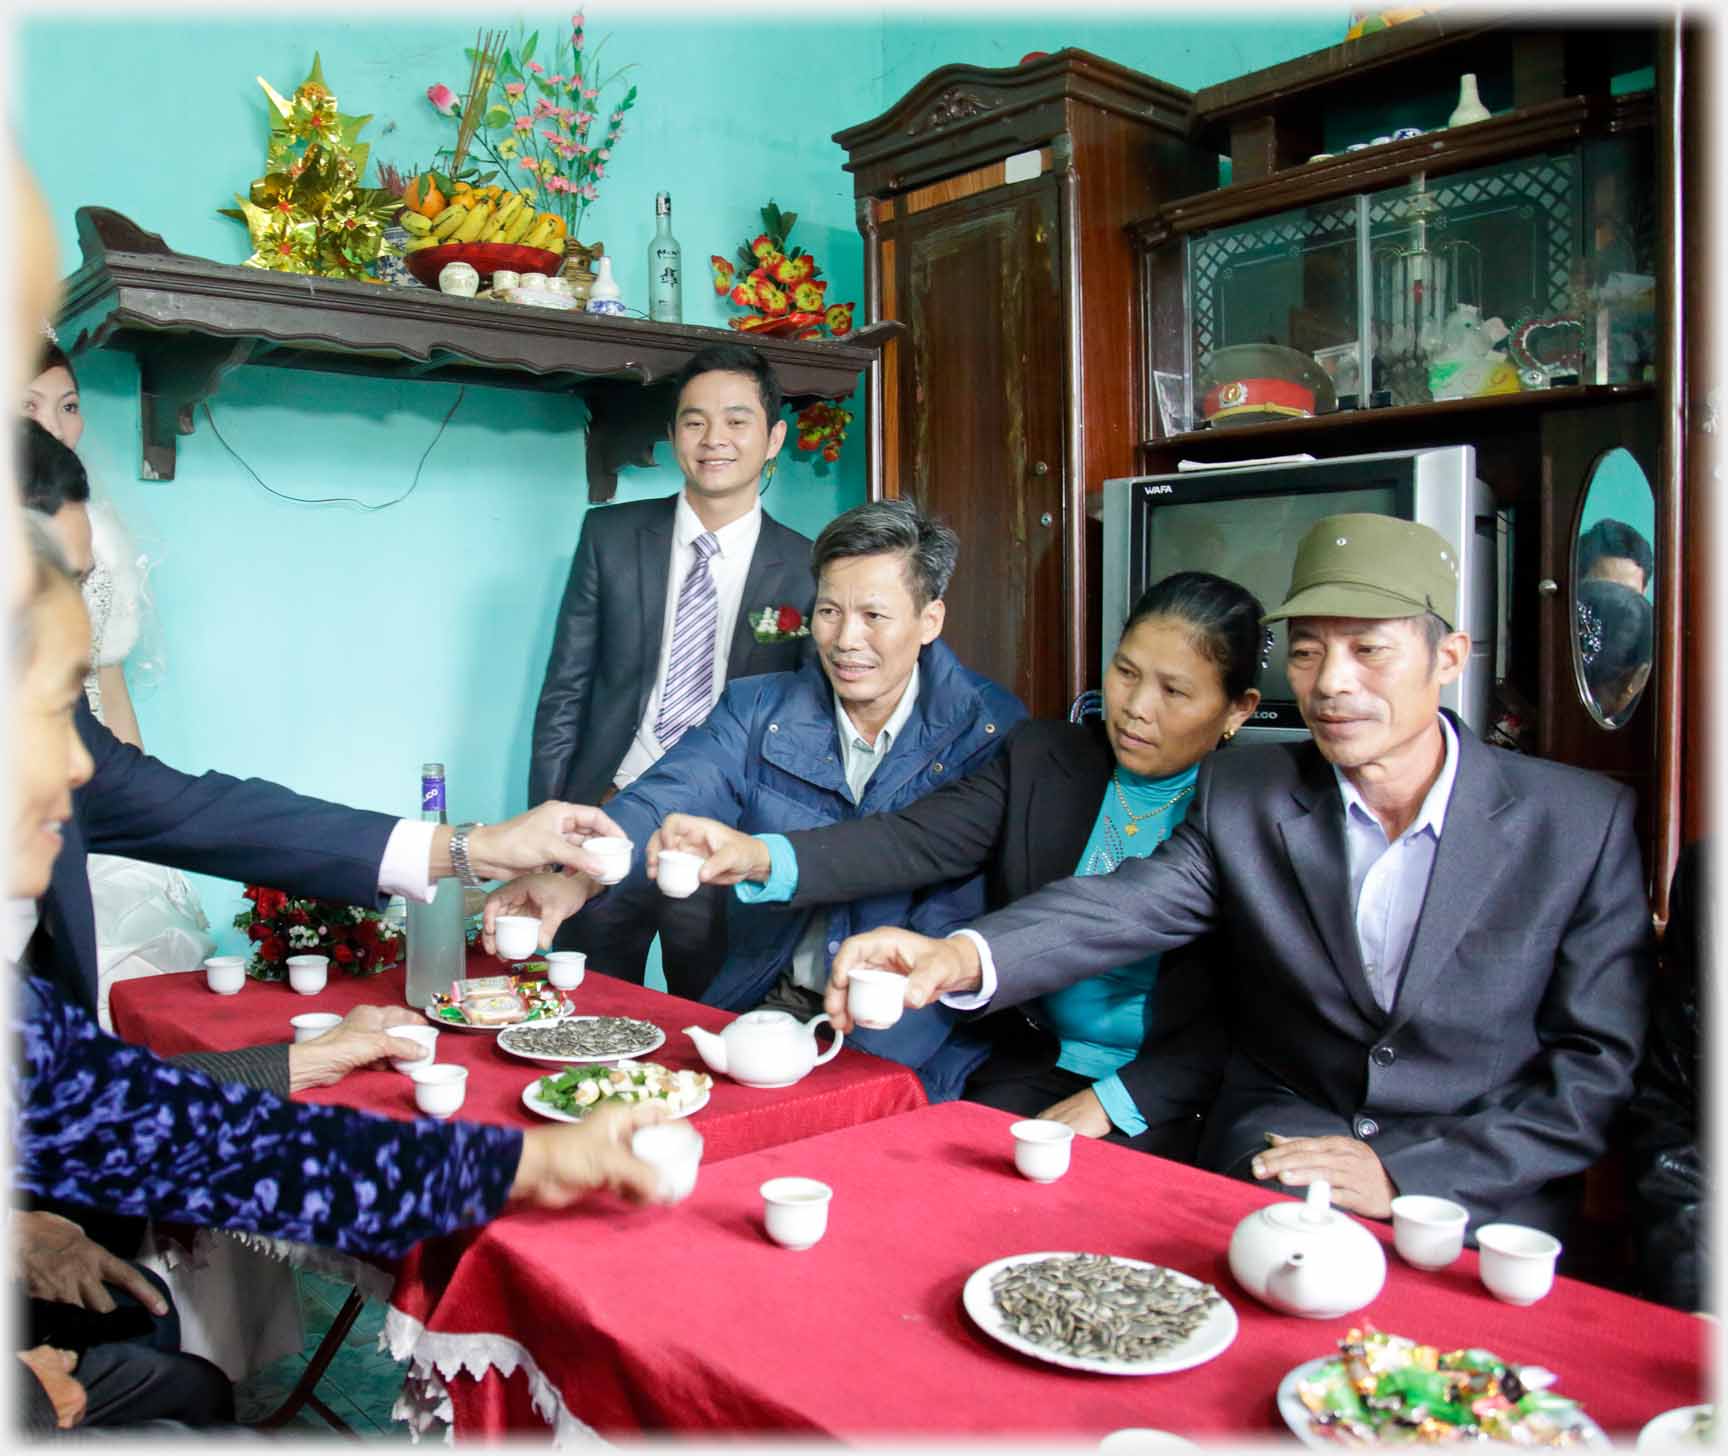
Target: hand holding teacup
932 968
549 897
728 856
552 833
365 1036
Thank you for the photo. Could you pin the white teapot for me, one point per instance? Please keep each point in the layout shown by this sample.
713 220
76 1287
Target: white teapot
764 1048
1307 1258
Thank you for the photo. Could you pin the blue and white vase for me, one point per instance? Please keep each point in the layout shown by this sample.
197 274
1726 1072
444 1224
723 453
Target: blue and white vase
606 296
390 268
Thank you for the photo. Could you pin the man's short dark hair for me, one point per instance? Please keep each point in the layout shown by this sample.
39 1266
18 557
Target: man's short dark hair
928 547
732 359
1614 538
49 474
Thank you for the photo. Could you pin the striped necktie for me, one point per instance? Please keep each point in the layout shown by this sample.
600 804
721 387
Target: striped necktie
688 692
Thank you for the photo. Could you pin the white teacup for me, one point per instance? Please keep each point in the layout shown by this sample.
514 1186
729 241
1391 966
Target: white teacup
427 1036
532 280
308 974
1517 1262
440 1088
313 1023
559 284
461 280
225 975
1428 1232
795 1211
674 1150
1042 1148
504 279
875 997
566 968
517 936
679 873
614 856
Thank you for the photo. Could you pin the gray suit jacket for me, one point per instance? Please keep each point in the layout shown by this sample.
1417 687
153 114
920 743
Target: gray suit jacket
1519 1021
606 646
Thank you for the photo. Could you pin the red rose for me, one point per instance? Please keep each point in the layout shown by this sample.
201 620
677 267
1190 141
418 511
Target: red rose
257 930
366 932
270 902
790 620
300 917
271 948
343 954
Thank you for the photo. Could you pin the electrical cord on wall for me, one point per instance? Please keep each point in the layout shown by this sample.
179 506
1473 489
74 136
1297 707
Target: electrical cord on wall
331 500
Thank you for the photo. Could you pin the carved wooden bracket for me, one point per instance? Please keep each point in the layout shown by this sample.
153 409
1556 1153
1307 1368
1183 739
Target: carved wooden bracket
189 321
951 106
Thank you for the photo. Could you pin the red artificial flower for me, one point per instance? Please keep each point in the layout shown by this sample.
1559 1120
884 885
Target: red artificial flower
744 295
270 902
763 247
793 270
723 272
769 299
270 948
807 296
257 930
839 318
832 453
342 954
790 619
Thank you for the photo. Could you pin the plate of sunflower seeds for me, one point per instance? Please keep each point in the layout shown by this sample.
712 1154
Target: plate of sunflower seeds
1099 1312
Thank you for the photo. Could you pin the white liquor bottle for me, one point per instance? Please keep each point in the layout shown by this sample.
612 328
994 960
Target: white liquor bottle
665 267
437 950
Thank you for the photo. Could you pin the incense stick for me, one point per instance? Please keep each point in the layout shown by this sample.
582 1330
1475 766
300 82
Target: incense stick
488 46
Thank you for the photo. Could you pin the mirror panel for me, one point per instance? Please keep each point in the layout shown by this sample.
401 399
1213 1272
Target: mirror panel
1614 589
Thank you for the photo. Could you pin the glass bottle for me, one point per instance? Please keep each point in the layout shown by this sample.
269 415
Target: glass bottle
437 950
665 267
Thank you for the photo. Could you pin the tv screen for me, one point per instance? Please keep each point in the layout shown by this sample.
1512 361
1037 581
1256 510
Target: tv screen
1251 541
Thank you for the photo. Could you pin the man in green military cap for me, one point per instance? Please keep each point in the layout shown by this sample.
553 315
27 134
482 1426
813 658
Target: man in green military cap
1434 952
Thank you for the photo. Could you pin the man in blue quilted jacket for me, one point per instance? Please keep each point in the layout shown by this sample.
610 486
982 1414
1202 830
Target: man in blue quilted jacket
885 715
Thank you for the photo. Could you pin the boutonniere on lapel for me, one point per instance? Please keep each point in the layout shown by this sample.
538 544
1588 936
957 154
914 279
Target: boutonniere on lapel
778 624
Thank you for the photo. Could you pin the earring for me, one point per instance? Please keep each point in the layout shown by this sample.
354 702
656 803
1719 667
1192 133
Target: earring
1229 733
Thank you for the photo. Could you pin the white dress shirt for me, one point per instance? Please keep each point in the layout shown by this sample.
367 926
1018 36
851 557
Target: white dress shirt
1389 881
728 567
861 760
1386 891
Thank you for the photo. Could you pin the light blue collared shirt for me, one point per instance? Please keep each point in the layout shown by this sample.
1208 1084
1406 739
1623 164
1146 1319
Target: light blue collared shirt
860 759
1389 881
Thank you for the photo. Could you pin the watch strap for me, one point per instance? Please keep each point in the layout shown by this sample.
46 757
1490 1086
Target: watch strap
459 854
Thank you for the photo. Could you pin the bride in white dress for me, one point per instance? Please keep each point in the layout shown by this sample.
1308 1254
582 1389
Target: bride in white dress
148 920
238 1307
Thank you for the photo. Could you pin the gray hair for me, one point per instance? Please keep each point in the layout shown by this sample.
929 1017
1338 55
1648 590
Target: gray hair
928 547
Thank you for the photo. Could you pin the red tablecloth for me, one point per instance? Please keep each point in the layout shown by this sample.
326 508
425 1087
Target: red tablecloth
689 1319
178 1013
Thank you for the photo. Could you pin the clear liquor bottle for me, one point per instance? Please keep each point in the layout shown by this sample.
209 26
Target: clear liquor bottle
665 267
437 951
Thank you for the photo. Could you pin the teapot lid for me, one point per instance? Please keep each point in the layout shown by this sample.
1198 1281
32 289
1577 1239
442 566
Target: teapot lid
1315 1211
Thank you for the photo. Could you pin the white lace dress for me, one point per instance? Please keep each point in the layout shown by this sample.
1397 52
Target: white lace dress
238 1307
148 920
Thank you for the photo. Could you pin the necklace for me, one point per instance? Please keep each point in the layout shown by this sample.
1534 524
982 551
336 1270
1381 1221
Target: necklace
1132 827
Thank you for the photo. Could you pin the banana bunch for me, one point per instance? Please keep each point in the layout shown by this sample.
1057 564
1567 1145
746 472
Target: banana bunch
486 215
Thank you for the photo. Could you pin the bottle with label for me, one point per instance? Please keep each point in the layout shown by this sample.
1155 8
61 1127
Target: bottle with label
665 267
437 951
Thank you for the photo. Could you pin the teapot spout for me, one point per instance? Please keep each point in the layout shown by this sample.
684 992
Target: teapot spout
710 1047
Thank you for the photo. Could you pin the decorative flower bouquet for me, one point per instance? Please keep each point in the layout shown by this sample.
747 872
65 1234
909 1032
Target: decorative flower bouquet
780 285
778 624
359 942
309 213
548 129
822 427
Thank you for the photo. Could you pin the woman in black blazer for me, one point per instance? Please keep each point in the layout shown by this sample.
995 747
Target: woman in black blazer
1131 1055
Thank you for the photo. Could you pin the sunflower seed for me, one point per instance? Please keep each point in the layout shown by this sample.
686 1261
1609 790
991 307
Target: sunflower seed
1091 1306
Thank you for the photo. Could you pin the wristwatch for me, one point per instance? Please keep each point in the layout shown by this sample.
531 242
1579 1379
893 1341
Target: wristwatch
459 854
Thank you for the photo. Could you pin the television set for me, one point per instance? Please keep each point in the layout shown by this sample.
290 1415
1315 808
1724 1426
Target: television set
1243 521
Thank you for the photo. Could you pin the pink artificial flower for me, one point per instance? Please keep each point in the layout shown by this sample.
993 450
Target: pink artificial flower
514 89
584 119
551 136
528 164
605 154
543 107
617 116
524 123
590 191
582 149
536 68
556 81
442 98
576 40
589 93
576 21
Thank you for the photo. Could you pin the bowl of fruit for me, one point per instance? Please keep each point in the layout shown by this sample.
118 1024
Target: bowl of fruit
486 227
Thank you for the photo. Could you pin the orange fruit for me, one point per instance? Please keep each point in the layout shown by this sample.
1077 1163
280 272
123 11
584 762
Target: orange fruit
424 198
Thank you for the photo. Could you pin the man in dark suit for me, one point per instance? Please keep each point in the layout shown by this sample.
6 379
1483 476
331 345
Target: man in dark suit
1436 952
664 606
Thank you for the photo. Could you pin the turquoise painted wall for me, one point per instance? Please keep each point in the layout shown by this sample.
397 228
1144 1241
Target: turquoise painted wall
335 648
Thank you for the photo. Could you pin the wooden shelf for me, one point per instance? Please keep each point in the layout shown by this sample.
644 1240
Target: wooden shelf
1294 434
189 321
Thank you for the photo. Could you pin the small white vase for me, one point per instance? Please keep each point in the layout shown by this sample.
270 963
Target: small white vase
1470 107
606 296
